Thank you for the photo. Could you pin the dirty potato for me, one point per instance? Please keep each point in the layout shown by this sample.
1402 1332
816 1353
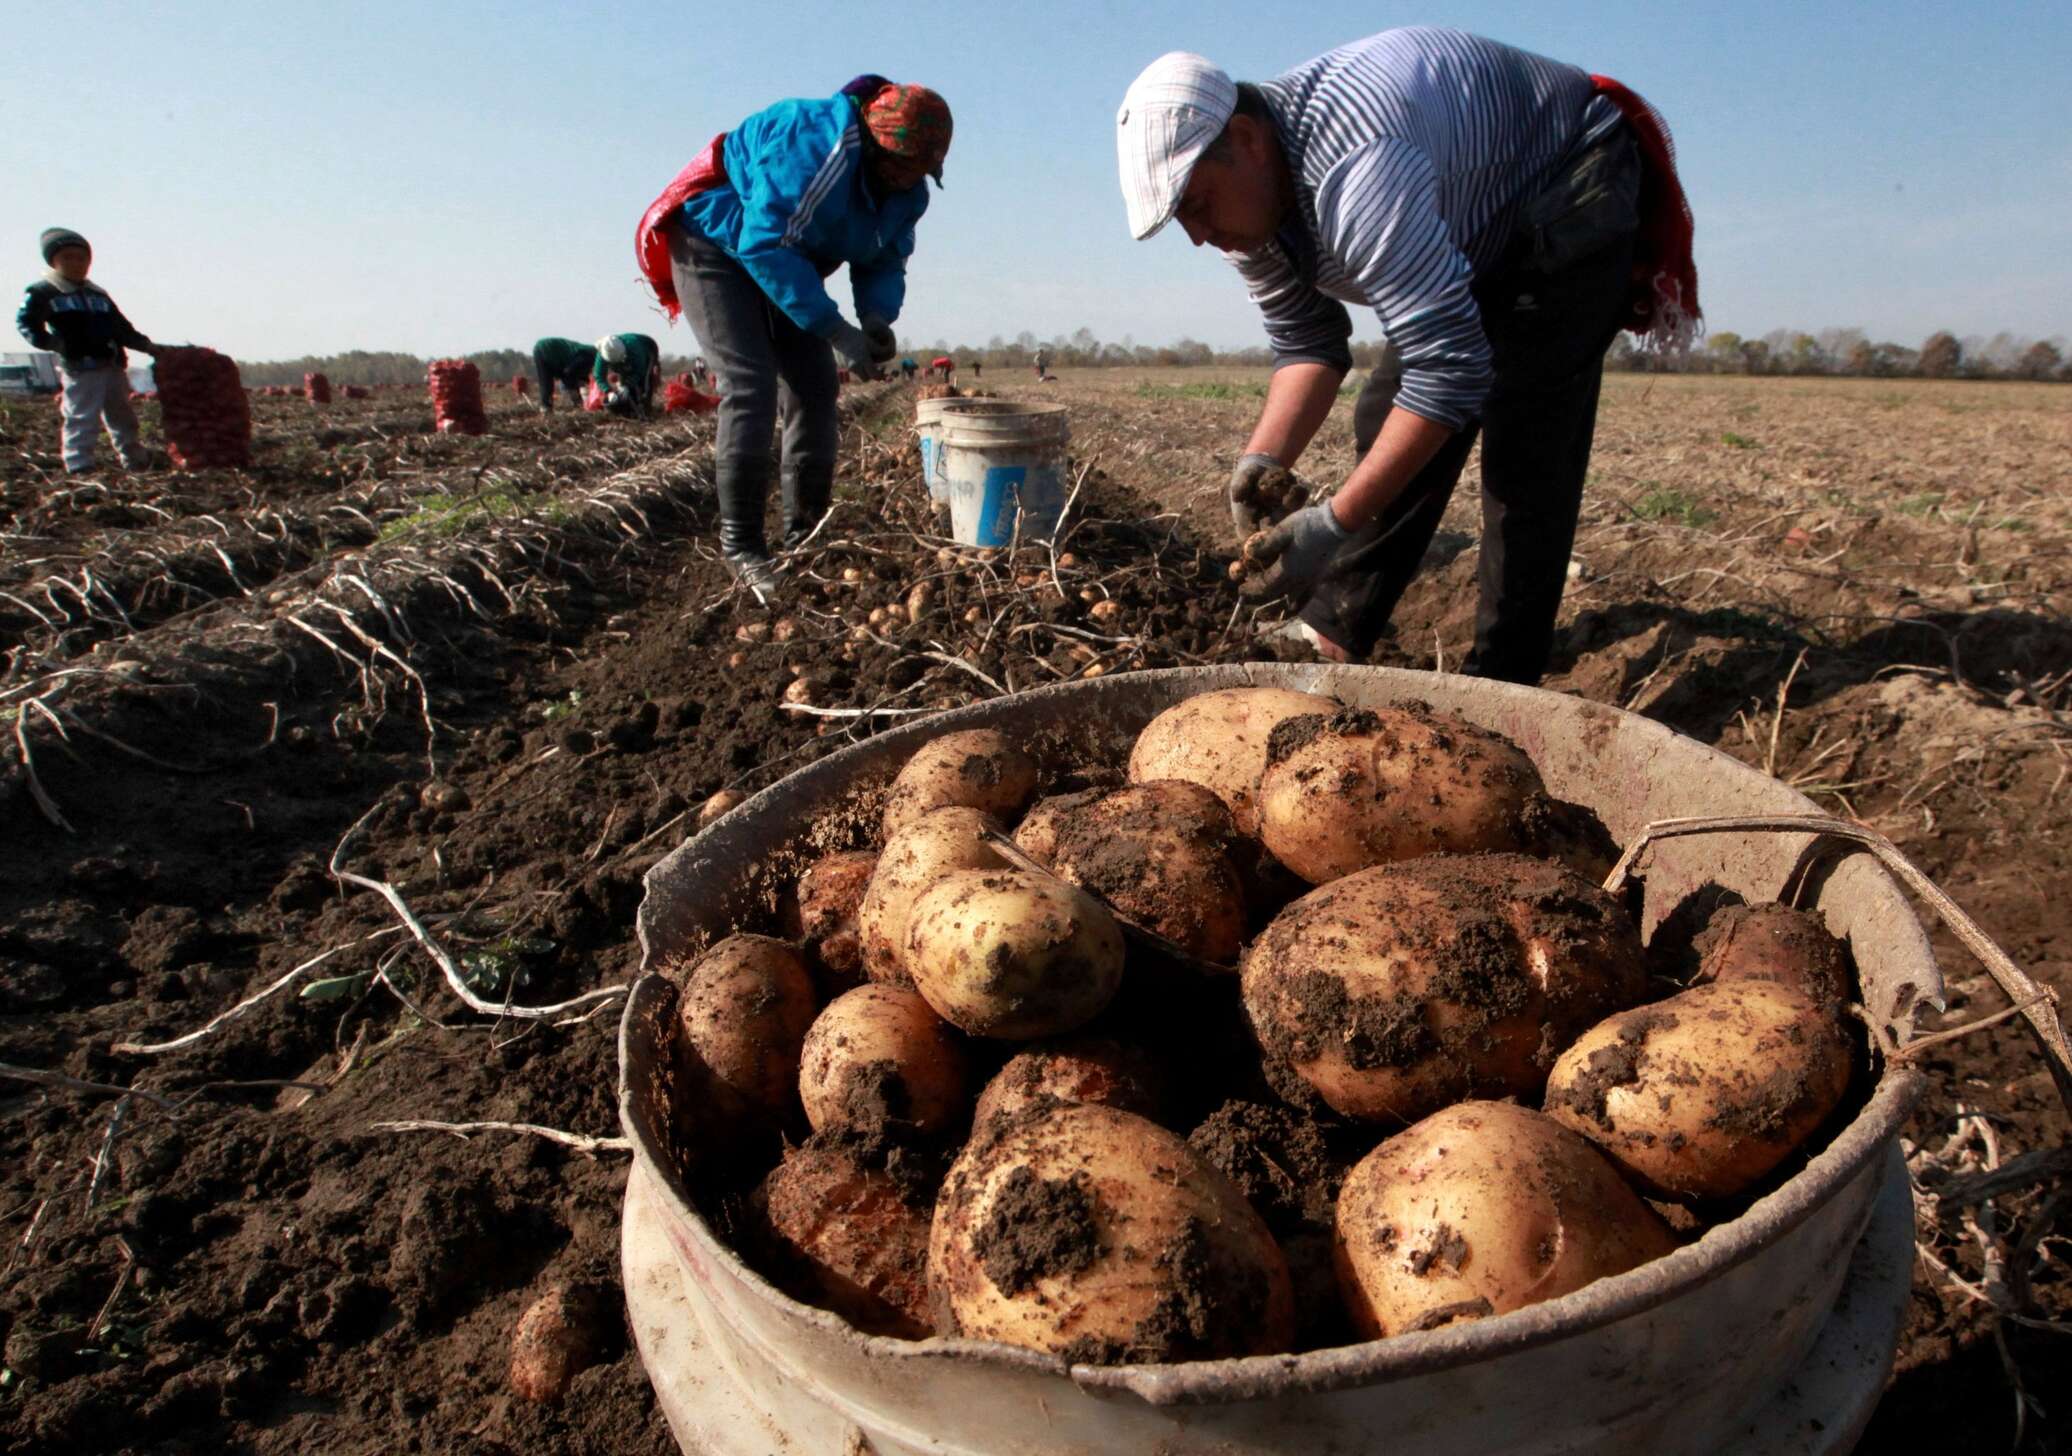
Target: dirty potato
915 858
1397 990
743 1015
1005 953
1098 1236
1776 943
1075 1069
878 1060
1157 852
1703 1094
1480 1209
1218 740
1366 786
850 1237
980 768
830 897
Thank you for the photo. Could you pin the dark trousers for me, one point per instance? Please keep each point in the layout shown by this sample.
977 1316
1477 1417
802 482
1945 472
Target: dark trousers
765 363
1550 314
548 377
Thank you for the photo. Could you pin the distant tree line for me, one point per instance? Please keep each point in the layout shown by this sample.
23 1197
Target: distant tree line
386 366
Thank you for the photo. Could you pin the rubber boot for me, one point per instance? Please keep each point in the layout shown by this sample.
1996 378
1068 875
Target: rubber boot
806 496
742 489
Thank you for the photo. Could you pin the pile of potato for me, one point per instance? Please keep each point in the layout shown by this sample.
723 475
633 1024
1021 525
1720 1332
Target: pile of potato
1317 1027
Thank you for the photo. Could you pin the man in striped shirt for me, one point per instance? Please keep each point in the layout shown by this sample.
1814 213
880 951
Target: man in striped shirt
1483 201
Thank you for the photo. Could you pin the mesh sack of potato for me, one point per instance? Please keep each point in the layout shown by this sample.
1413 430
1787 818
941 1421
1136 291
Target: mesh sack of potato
456 387
207 415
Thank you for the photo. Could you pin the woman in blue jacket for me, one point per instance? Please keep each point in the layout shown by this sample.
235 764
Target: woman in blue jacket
742 243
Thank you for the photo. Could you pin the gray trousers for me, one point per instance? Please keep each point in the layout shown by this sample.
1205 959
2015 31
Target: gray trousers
92 395
765 363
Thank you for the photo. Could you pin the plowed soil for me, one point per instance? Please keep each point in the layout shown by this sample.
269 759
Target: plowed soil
499 674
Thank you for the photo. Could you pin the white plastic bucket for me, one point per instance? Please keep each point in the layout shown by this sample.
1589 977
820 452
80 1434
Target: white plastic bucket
928 417
1003 467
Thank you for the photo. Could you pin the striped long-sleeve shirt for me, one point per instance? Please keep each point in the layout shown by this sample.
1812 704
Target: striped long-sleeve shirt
1412 152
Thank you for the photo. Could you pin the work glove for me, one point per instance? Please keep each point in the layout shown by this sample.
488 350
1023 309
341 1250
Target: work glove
853 348
884 347
1262 491
1297 556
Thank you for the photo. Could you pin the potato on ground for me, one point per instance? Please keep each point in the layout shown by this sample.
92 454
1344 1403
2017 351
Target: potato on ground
1368 786
561 1334
1005 953
1776 943
980 768
1218 740
1075 1069
1101 1237
850 1236
743 1015
878 1059
830 898
1157 853
1405 987
1480 1209
915 858
1703 1094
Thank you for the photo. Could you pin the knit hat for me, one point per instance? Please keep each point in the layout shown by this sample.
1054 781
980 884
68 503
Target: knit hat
56 238
910 122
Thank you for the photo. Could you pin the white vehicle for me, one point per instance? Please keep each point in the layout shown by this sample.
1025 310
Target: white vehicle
28 374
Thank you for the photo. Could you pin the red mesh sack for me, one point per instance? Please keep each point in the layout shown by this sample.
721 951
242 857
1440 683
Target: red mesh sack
316 388
680 396
456 387
520 384
208 417
593 397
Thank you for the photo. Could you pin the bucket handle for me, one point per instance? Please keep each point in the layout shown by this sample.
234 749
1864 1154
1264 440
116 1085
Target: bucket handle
2035 1003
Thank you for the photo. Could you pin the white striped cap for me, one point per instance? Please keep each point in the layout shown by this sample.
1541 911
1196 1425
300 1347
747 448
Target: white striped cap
1171 113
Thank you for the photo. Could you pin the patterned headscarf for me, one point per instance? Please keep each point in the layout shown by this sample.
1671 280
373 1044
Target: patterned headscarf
911 122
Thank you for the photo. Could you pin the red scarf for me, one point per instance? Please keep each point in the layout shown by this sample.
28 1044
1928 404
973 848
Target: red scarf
650 244
1664 301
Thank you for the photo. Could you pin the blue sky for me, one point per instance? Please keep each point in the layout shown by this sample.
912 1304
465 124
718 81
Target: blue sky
294 176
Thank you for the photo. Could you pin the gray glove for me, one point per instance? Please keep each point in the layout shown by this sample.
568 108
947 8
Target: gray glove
1299 551
884 346
853 349
1261 493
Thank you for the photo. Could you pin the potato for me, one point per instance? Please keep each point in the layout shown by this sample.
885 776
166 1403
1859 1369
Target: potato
1155 852
1480 1209
1009 954
1404 987
561 1334
1037 834
878 1059
1776 943
1218 740
850 1237
1364 787
1103 1238
1078 1069
1571 834
1701 1095
915 858
743 1016
980 768
831 895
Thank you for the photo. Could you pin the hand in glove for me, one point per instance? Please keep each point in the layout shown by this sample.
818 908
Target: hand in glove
1298 555
853 350
884 346
1261 492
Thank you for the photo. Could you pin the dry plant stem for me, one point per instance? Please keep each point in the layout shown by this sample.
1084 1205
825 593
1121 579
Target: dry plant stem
2043 1165
2037 1004
135 1048
58 1081
129 1263
454 980
93 1185
465 1130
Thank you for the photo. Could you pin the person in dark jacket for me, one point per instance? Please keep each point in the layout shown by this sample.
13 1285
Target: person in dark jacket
78 321
741 242
566 362
627 372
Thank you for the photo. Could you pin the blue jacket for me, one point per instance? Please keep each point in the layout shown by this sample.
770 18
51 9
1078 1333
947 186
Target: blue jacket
797 205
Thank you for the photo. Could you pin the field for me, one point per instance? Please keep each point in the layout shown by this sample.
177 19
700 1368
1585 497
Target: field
496 677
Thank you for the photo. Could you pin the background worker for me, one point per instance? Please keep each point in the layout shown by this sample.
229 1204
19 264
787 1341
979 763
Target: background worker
741 242
1505 215
908 368
78 321
626 373
566 362
1042 363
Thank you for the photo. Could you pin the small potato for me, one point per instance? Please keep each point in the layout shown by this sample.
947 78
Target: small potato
743 1016
1701 1095
1218 740
1078 1069
1367 786
1404 987
978 769
877 1059
1008 954
726 801
1103 1238
1776 943
561 1334
1478 1210
1156 853
915 858
831 895
849 1237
